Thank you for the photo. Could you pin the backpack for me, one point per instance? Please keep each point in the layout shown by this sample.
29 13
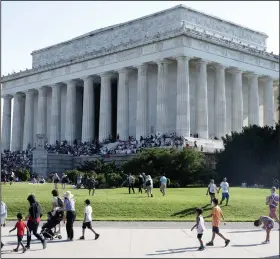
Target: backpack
148 183
59 202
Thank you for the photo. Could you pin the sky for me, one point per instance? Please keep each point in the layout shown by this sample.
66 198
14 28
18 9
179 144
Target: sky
28 26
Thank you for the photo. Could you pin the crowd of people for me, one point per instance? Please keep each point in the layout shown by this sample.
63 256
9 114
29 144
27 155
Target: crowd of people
16 160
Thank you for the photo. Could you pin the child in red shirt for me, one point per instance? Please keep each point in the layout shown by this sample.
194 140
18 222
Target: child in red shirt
20 226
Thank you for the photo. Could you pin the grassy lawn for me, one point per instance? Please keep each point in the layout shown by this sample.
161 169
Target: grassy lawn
117 204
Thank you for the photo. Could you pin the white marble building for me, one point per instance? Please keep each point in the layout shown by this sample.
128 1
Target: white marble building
178 70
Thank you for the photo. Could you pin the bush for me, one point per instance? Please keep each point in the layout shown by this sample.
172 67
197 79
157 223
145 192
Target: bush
23 175
73 174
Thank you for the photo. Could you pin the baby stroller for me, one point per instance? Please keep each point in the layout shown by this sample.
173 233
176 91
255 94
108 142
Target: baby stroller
53 221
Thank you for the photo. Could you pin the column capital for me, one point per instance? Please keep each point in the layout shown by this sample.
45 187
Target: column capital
30 92
219 66
182 58
84 78
7 97
141 66
70 83
18 94
202 62
251 75
55 85
105 74
123 70
42 89
235 70
163 61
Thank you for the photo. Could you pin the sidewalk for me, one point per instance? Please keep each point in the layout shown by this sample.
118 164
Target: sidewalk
142 241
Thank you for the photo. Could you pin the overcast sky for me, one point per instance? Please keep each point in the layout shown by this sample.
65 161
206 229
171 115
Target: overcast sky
28 26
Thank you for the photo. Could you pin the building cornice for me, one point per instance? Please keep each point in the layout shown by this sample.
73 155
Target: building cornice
180 30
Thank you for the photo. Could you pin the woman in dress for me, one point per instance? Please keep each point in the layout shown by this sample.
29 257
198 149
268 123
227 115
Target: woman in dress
69 218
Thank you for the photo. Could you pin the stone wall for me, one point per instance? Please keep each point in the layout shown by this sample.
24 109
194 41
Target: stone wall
44 163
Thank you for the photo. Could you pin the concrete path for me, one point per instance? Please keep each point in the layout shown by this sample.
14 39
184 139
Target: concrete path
151 240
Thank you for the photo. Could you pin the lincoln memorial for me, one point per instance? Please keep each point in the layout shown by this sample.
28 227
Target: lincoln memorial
177 70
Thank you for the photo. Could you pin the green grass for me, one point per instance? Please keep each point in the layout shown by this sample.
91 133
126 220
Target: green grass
117 204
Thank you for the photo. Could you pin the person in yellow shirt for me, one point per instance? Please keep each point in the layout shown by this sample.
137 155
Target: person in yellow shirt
216 215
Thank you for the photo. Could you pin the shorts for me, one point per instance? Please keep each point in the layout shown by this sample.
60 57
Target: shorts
225 195
270 225
211 193
86 225
272 213
199 236
215 230
19 238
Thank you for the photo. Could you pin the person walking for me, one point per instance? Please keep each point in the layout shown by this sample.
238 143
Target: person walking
33 220
70 217
87 220
4 213
141 183
163 183
225 191
56 180
273 201
57 205
63 180
91 185
131 181
212 188
149 186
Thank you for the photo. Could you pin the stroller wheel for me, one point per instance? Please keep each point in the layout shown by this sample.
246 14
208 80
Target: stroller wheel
59 236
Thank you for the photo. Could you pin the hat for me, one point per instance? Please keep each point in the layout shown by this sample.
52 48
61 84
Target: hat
68 195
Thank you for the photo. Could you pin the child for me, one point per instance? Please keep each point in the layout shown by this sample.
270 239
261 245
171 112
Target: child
87 220
216 214
20 226
200 227
268 224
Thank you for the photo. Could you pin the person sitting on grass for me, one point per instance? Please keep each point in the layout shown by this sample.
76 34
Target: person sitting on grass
20 226
268 224
87 220
216 214
200 227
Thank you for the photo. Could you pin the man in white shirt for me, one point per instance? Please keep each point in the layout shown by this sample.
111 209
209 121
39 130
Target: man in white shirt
87 220
225 191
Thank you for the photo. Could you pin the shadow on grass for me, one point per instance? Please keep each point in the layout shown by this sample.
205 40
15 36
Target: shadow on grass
190 211
174 251
244 231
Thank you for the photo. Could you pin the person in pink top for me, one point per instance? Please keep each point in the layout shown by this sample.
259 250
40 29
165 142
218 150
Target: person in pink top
273 201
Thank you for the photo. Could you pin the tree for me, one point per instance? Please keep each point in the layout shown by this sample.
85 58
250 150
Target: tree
250 156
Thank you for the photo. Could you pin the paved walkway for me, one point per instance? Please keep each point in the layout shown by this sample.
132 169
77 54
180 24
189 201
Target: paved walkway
151 240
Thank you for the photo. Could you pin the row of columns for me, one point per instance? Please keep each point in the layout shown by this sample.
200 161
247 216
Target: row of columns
105 123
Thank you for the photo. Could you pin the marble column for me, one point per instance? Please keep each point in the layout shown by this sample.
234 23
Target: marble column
70 118
201 100
55 114
162 84
253 100
268 102
6 122
105 118
142 102
88 110
183 97
28 119
237 101
42 111
220 102
16 143
122 110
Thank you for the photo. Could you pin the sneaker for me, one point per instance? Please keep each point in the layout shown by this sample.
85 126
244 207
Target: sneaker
15 250
201 248
266 242
24 250
44 244
82 238
152 195
71 239
96 236
210 244
27 247
227 242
